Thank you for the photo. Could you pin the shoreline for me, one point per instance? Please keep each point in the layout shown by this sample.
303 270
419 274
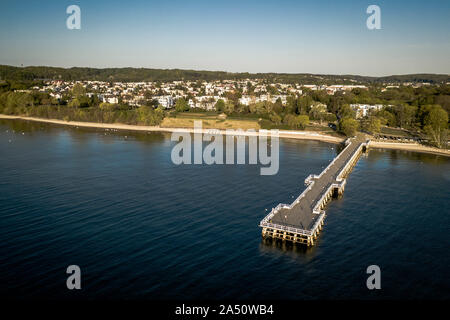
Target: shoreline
415 147
301 135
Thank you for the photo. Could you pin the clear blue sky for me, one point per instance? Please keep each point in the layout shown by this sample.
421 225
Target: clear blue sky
315 36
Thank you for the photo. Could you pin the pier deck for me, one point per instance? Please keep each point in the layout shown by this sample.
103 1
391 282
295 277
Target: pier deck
302 220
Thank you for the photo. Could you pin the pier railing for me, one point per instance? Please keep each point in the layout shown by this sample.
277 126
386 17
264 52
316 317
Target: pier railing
280 227
356 153
318 222
310 179
317 209
348 143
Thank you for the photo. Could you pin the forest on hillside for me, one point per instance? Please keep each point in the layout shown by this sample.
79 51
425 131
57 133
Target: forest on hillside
144 74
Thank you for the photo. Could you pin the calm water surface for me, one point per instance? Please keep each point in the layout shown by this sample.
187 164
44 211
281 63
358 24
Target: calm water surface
141 227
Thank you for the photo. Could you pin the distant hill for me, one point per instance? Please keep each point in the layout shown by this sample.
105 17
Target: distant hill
144 74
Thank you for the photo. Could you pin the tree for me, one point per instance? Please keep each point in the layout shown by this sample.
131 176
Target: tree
229 107
290 120
346 112
78 90
304 104
444 101
321 96
278 106
374 125
25 100
405 115
272 90
94 101
329 117
149 116
386 117
318 111
336 102
275 118
250 88
84 101
181 105
147 95
436 126
296 122
348 126
220 105
241 108
75 103
268 107
233 96
303 121
291 104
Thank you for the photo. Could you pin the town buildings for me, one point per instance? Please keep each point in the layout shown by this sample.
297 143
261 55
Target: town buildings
198 94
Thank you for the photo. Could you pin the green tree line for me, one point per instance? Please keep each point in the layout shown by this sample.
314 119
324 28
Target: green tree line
145 74
77 107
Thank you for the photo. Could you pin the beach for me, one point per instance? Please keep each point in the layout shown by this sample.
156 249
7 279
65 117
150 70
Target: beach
409 147
304 135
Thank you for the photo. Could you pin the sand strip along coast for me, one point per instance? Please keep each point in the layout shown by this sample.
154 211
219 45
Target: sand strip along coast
305 135
409 147
283 134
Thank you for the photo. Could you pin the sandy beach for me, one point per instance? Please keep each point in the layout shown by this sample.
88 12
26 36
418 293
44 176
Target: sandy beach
409 147
304 135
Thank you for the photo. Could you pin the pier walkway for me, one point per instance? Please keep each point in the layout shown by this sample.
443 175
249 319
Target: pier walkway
301 221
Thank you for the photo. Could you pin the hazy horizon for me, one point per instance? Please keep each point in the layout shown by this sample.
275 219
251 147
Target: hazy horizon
313 37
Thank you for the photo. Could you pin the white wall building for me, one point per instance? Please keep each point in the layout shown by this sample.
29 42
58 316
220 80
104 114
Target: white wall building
362 110
165 101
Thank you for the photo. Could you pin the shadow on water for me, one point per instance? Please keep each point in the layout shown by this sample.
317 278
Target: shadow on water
340 147
22 126
277 247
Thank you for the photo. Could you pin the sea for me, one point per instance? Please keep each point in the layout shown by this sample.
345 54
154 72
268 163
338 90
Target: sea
140 227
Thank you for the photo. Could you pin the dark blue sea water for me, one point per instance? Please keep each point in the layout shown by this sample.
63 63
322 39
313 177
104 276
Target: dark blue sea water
141 227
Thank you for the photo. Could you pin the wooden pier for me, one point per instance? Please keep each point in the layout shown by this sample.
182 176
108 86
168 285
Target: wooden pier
302 220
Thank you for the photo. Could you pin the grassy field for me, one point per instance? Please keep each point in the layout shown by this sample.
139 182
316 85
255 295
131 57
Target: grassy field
395 132
212 120
209 121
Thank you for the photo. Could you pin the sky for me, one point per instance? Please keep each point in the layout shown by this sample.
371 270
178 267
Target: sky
288 36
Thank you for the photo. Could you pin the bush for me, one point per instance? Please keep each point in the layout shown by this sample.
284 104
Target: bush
348 126
276 119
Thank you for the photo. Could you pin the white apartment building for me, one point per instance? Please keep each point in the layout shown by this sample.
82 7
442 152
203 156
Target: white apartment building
245 100
165 101
108 99
362 110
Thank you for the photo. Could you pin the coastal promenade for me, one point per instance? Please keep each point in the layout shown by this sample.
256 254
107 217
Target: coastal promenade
301 221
